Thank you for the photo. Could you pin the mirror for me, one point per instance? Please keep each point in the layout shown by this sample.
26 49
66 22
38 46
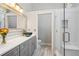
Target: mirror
2 16
11 18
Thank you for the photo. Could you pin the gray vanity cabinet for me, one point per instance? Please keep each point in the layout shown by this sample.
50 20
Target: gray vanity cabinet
34 42
13 52
27 48
24 49
32 45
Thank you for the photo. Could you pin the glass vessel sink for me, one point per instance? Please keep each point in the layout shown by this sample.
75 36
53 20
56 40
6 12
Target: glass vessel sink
27 34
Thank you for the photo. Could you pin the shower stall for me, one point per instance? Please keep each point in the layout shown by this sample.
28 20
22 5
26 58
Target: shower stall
66 40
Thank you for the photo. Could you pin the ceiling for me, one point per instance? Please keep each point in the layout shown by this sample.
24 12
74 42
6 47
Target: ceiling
41 6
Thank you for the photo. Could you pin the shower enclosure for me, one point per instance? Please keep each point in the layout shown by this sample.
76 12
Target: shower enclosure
72 29
67 30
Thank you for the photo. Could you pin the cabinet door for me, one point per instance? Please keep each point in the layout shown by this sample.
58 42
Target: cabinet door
13 52
35 42
32 45
24 49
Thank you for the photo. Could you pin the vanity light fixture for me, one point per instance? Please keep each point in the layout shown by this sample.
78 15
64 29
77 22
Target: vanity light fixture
21 10
17 7
13 6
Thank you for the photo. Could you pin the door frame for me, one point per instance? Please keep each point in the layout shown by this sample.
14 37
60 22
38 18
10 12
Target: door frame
52 24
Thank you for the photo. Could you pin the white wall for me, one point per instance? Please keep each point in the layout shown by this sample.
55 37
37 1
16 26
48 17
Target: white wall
26 6
40 6
43 6
21 22
31 22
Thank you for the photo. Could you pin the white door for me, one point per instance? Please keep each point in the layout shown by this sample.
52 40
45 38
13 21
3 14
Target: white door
44 28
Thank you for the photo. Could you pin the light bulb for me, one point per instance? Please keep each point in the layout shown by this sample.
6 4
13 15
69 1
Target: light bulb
12 4
7 3
21 10
17 7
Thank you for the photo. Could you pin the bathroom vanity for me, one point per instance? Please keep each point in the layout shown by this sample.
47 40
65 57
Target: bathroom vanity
19 46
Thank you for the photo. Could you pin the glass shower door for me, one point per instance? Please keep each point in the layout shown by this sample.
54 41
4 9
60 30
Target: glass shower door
71 29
